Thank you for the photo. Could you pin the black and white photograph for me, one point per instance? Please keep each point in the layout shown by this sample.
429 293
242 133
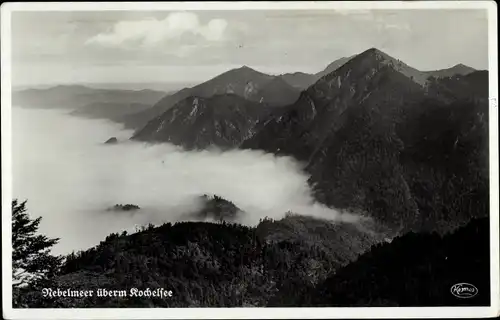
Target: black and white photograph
250 160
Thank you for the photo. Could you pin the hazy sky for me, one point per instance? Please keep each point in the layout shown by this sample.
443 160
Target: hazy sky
166 46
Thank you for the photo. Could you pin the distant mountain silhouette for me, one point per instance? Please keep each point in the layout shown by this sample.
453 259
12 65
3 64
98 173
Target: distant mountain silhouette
456 70
333 66
77 96
364 132
303 80
196 123
244 82
110 104
299 80
114 111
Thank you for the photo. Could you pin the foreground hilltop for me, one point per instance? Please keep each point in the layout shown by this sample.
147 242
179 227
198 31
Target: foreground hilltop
209 264
413 270
279 263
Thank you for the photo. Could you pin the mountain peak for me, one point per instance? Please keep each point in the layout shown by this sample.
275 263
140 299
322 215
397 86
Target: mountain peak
372 54
457 70
370 51
463 67
246 72
246 68
379 55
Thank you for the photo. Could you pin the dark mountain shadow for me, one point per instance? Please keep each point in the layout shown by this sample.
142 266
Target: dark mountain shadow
413 270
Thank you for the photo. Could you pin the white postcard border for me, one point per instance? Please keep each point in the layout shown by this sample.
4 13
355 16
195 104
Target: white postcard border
244 313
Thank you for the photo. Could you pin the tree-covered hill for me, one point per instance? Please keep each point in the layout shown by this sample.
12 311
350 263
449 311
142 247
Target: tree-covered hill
295 261
209 264
413 270
381 137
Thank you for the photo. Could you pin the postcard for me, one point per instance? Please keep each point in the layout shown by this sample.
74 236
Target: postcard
250 160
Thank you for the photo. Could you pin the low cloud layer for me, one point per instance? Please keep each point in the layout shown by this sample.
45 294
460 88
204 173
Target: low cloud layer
70 178
152 32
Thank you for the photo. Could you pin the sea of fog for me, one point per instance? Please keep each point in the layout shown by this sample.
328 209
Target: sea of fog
70 178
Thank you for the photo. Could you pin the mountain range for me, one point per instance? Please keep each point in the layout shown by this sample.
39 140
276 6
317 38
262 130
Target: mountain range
361 128
244 82
77 96
115 111
88 102
135 108
303 80
364 131
278 92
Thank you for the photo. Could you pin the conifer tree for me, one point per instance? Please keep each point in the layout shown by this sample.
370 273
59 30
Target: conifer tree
31 258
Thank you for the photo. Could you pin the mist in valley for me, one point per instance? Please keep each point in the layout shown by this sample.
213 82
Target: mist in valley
71 178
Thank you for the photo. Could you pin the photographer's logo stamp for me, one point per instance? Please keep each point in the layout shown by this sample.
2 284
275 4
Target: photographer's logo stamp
464 290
